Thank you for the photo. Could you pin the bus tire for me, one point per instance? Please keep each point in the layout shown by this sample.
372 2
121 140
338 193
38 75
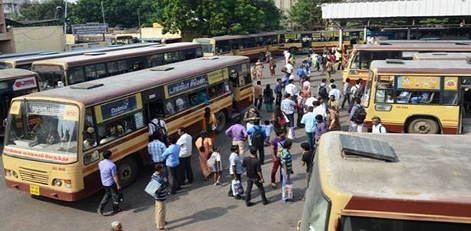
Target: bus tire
222 120
127 171
423 126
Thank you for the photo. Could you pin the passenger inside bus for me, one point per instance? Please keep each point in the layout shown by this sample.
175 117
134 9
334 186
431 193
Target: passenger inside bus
169 108
89 138
403 97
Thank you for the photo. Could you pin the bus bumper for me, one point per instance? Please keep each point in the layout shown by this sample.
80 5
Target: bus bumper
45 192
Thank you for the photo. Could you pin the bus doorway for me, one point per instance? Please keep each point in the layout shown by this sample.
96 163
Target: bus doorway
465 119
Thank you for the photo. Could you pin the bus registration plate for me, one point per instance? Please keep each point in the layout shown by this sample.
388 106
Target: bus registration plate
34 190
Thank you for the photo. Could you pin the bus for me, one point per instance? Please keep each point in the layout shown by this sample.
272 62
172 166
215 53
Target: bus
253 46
425 96
303 41
26 61
55 139
21 54
94 65
14 83
390 182
362 55
442 56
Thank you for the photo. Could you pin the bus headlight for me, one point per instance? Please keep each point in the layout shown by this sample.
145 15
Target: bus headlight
57 182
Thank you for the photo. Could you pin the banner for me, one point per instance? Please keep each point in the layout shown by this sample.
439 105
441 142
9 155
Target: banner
418 83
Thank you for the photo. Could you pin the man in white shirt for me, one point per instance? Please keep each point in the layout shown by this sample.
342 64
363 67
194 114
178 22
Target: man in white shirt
186 147
289 70
309 101
335 92
319 110
291 88
377 126
287 55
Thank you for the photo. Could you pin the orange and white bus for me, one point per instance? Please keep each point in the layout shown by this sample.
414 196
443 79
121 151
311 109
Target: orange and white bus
362 55
426 96
24 62
95 65
14 83
55 139
442 56
253 46
391 182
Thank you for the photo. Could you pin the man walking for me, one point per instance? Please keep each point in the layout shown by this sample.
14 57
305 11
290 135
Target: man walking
276 147
258 95
378 126
278 88
186 146
254 176
109 180
309 121
258 135
357 116
172 163
346 93
235 169
238 133
160 196
287 107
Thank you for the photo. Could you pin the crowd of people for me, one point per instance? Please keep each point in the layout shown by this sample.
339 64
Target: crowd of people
290 103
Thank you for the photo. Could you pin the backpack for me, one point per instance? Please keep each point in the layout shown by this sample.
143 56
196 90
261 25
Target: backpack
358 92
359 115
323 92
160 130
257 137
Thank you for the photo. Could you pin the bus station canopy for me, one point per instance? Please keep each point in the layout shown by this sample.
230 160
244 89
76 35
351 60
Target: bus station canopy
396 9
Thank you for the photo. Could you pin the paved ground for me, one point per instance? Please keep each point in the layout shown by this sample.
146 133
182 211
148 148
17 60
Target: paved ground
200 206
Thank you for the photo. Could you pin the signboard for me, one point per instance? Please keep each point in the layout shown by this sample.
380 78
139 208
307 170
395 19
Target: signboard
25 83
451 83
291 36
419 83
327 34
182 86
316 35
92 28
218 75
118 107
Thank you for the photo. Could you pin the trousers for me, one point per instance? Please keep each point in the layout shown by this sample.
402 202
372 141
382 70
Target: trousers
110 191
259 185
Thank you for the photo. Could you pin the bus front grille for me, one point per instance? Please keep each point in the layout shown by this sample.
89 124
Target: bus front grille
35 176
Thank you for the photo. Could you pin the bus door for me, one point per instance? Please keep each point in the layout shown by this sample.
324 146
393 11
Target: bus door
465 114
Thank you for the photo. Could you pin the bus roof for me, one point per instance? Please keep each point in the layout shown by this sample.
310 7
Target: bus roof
421 66
20 54
425 46
93 56
14 73
228 37
52 55
430 175
129 83
442 56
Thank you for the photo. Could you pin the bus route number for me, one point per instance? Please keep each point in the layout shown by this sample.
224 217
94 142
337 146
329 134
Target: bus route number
62 169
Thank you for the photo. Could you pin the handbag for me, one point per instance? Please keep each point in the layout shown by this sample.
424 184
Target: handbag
287 192
152 187
237 188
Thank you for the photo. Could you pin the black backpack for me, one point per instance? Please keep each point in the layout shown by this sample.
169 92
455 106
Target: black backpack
323 92
359 116
160 130
257 137
358 92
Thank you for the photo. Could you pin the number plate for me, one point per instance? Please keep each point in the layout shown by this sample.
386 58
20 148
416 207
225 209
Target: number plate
34 190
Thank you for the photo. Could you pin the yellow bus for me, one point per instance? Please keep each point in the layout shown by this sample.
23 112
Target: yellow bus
426 96
253 46
14 83
55 139
390 182
362 55
24 62
303 41
442 56
94 65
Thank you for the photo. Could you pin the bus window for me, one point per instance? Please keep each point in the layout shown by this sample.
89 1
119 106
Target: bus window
247 79
217 90
122 66
156 108
384 92
180 102
90 72
101 70
171 57
5 65
156 60
169 108
450 98
112 68
116 128
76 75
89 132
223 46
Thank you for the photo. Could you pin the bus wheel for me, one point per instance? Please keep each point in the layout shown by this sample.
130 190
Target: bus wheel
293 50
423 126
127 171
222 119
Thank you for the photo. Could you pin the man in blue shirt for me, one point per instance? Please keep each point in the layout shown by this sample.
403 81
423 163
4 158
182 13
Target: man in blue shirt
235 168
156 150
258 135
109 180
172 162
309 121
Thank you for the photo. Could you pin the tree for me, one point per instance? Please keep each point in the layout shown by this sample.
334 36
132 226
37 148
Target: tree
51 9
306 13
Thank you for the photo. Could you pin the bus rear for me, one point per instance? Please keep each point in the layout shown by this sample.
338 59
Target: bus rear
41 148
208 44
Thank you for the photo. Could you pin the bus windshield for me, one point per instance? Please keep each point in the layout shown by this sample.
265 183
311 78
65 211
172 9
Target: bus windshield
207 46
5 65
363 59
47 130
50 76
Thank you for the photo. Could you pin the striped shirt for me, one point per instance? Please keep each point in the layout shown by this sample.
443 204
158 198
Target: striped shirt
161 193
286 159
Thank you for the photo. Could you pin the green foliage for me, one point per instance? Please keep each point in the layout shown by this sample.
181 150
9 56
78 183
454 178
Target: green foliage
306 14
218 17
42 11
